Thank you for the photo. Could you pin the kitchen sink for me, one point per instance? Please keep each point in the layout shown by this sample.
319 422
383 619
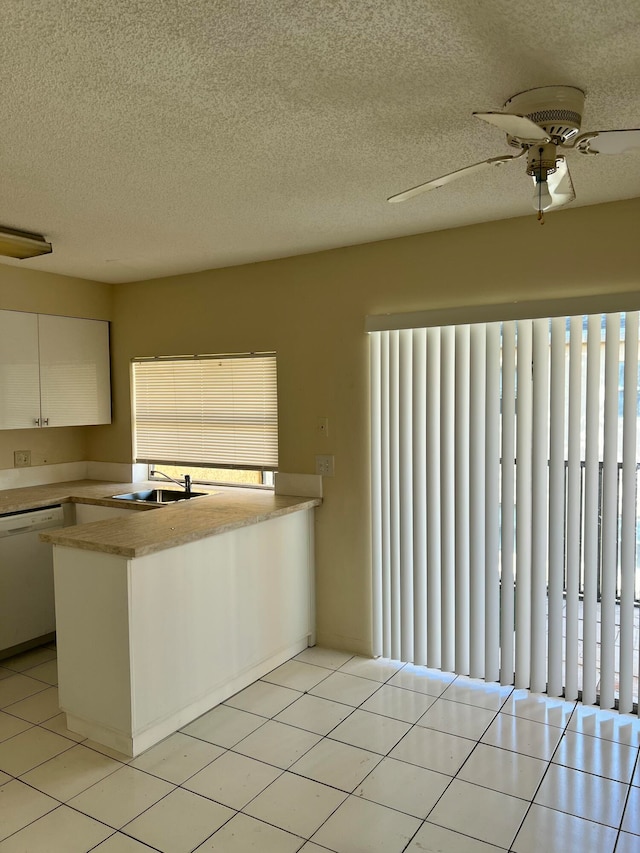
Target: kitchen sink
159 496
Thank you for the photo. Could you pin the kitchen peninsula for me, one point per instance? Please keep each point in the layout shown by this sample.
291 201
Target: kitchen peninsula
163 614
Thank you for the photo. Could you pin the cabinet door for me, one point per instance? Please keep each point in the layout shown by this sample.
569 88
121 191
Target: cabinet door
19 372
74 371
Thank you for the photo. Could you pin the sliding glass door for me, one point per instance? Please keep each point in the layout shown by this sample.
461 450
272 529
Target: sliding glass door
504 496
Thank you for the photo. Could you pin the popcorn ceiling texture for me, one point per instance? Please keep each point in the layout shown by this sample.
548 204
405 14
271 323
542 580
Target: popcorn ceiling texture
148 138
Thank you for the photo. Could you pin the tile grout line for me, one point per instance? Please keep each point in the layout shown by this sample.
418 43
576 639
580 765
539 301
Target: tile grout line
288 769
453 778
544 775
578 770
267 719
326 736
115 834
350 793
412 726
282 771
626 800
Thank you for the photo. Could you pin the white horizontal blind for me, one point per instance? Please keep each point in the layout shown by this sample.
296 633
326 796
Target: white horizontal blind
504 470
218 411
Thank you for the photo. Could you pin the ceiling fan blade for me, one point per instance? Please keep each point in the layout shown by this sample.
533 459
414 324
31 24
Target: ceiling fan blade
515 125
609 141
452 176
560 185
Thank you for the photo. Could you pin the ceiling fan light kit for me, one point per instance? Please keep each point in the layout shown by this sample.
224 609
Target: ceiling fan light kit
544 124
541 163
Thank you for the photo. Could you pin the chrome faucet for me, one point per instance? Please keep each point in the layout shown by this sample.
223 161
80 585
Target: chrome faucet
186 484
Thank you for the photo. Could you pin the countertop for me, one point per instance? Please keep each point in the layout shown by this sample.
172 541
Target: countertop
147 529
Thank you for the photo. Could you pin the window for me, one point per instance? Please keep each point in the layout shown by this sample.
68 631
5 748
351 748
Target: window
207 412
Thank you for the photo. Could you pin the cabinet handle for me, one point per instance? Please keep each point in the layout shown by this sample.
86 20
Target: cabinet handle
37 421
45 422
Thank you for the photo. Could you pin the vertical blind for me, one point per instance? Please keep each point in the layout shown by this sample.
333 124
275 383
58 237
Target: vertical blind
218 411
504 477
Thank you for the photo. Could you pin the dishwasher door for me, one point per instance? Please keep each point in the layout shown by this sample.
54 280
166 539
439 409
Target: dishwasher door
27 609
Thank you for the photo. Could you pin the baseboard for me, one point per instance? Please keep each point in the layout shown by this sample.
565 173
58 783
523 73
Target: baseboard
133 744
344 644
27 646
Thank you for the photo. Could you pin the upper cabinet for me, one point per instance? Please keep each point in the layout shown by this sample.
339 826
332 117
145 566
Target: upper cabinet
74 371
54 371
19 370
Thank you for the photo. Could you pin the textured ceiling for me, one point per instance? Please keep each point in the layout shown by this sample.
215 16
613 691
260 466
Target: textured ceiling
149 138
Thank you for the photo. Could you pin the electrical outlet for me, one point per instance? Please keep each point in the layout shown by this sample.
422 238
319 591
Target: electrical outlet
323 427
21 458
325 465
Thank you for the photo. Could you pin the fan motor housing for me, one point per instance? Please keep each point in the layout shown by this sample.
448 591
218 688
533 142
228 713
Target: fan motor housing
557 109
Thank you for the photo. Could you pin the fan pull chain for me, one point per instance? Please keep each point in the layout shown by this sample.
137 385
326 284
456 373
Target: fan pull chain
540 213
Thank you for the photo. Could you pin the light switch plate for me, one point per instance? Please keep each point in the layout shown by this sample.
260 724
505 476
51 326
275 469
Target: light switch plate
325 465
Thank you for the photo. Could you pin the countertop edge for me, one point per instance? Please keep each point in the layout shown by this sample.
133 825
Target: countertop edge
119 536
58 537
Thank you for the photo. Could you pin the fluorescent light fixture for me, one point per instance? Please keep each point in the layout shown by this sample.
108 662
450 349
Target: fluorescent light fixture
22 244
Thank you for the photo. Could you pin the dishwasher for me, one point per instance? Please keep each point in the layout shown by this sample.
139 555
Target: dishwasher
27 610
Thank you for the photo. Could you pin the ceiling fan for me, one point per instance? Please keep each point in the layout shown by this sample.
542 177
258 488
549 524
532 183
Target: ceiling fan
544 124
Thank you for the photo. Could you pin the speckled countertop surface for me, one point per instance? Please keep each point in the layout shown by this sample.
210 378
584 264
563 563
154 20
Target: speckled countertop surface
75 491
147 528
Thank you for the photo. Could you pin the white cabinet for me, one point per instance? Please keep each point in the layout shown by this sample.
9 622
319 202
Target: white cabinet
74 371
54 371
19 370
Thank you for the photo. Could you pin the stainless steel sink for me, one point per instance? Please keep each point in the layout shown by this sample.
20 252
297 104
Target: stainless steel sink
159 496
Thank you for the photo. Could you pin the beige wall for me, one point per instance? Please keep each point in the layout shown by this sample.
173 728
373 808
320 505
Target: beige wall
311 309
44 293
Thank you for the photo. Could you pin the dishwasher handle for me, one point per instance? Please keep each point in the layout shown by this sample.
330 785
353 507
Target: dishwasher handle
30 521
11 531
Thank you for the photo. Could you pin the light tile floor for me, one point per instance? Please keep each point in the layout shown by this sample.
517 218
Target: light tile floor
329 752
